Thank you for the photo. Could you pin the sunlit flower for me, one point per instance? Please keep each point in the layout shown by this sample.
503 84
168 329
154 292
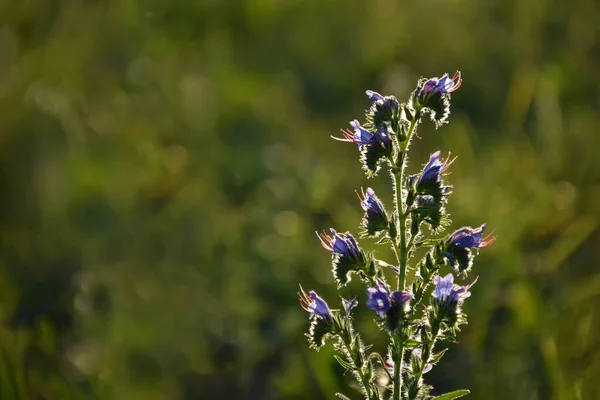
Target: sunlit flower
381 300
375 218
459 244
447 292
443 85
315 305
343 244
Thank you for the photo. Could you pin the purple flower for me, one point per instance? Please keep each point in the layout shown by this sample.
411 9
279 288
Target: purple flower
380 300
374 96
434 169
315 305
346 257
433 96
382 136
361 136
343 244
443 85
375 219
447 292
468 237
458 246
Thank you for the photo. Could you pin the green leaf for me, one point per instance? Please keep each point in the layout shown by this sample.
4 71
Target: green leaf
410 343
343 363
453 395
438 356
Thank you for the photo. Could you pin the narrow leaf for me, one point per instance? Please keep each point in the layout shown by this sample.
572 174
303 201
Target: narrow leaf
343 363
453 395
437 357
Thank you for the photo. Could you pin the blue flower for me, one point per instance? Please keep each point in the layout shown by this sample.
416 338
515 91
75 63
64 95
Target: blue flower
347 257
315 305
443 85
468 237
447 292
361 136
343 244
433 96
380 300
374 96
375 219
430 181
458 247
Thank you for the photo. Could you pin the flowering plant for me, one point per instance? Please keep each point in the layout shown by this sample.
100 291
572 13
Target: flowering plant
425 310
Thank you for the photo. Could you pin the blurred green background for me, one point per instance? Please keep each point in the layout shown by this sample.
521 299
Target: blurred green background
164 165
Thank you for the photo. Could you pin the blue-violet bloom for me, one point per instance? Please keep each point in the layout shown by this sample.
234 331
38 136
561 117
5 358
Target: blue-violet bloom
375 219
434 169
380 300
343 244
315 305
443 85
448 292
468 237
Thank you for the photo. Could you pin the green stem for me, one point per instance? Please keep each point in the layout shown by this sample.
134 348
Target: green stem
363 381
425 356
399 184
402 251
398 367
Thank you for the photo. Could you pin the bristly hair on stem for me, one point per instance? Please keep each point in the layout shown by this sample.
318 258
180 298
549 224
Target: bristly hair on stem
425 311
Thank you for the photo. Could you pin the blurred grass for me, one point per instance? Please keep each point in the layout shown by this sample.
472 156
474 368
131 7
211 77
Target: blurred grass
163 166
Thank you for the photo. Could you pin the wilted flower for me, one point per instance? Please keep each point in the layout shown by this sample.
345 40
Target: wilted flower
315 305
447 292
381 300
459 244
375 219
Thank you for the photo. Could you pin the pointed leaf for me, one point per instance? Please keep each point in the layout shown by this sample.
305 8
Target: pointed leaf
453 395
437 357
343 363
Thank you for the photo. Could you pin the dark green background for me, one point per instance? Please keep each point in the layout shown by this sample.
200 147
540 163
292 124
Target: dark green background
164 165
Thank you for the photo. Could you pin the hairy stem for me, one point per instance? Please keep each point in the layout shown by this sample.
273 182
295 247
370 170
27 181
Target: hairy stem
401 248
370 392
425 356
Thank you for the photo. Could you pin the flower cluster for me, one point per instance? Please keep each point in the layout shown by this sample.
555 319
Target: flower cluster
423 312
